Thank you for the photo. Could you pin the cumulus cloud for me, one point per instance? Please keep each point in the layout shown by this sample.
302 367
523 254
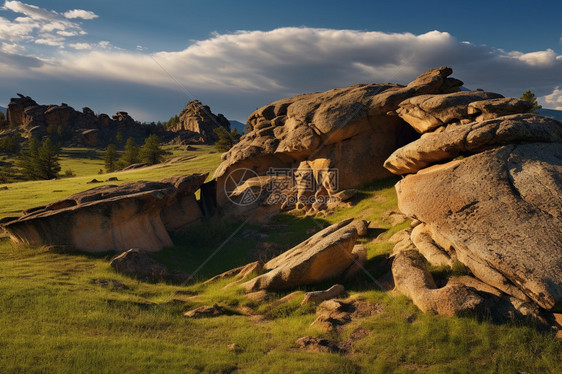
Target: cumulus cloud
292 60
263 64
80 13
35 22
81 46
554 99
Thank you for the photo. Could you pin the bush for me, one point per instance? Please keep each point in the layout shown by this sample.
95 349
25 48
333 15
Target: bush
40 160
69 173
226 139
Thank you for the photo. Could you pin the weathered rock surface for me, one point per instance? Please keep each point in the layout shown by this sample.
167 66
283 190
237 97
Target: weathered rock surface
318 296
138 215
198 118
332 314
323 256
349 129
500 213
207 311
427 112
138 264
472 138
414 281
313 344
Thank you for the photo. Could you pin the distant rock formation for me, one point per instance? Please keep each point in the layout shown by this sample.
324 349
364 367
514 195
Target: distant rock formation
485 182
132 215
86 129
73 128
198 118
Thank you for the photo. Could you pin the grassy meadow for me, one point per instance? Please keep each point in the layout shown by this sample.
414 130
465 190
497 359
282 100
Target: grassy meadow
73 314
86 163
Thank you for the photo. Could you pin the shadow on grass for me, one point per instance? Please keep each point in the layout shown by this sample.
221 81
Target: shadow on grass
80 153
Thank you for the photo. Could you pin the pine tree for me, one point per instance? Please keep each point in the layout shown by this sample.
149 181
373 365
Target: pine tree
151 152
531 98
28 159
226 139
48 160
40 160
110 158
131 154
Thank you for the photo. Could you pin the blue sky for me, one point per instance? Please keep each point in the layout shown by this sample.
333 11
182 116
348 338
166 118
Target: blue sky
151 57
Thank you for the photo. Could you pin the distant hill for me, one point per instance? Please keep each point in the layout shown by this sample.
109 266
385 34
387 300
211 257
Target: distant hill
2 109
556 114
237 125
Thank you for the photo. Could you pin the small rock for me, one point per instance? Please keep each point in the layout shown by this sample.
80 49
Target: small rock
312 344
206 311
113 179
93 181
319 296
234 348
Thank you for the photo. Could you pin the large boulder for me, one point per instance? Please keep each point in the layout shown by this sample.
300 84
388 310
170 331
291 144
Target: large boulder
500 213
138 214
325 255
350 131
427 112
198 118
472 138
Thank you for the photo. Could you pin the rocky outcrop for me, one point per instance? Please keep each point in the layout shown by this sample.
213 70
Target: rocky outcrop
132 215
331 140
486 186
427 112
198 118
72 127
501 213
471 138
325 255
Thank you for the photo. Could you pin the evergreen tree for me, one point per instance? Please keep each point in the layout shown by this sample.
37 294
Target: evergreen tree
110 158
531 98
151 152
10 144
226 139
40 160
48 161
131 154
28 159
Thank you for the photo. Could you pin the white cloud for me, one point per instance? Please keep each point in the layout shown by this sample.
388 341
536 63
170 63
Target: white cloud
36 21
273 64
11 48
50 39
81 46
539 59
554 99
80 13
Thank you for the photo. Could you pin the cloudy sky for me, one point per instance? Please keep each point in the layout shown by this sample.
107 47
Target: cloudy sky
150 57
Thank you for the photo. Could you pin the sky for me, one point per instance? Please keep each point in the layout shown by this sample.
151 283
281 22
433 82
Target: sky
150 58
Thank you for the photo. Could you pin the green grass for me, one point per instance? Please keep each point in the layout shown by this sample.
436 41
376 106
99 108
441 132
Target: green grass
86 164
54 319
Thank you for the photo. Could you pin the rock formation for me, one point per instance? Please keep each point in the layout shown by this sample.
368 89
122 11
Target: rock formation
71 126
132 215
198 118
485 181
325 255
348 130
